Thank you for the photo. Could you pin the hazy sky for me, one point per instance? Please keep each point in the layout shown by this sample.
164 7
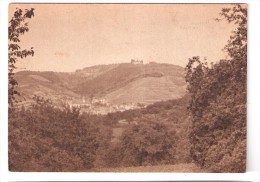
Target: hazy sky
67 37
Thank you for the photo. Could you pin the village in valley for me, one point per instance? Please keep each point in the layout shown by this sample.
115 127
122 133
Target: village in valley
100 105
94 105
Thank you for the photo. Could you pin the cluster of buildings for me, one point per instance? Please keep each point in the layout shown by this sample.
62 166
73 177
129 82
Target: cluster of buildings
100 106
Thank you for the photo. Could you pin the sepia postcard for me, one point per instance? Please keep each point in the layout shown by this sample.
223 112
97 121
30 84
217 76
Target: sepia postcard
127 88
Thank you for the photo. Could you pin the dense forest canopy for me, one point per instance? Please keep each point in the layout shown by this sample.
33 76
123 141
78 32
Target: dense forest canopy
218 102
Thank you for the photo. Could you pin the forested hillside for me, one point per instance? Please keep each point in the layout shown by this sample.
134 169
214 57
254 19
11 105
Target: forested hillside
218 102
117 83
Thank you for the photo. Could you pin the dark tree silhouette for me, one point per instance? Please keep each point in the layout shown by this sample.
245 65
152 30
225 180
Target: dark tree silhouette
18 25
218 102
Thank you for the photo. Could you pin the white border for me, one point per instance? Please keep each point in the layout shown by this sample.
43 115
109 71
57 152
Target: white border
253 167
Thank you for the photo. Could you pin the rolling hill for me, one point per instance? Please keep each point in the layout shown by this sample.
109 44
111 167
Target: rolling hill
118 83
146 90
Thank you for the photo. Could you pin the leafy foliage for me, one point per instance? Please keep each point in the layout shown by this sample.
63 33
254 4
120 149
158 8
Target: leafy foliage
18 25
148 143
218 102
46 138
155 135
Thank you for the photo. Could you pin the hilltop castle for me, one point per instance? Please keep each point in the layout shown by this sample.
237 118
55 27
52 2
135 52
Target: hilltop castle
133 61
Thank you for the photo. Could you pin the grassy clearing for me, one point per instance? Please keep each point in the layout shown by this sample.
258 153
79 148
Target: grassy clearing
178 168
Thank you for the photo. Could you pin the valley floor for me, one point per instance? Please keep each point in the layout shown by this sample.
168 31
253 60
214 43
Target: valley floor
178 168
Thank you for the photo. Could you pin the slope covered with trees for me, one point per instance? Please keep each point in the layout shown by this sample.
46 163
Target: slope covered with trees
218 102
117 83
45 138
48 138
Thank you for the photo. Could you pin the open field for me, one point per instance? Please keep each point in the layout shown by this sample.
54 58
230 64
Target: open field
178 168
